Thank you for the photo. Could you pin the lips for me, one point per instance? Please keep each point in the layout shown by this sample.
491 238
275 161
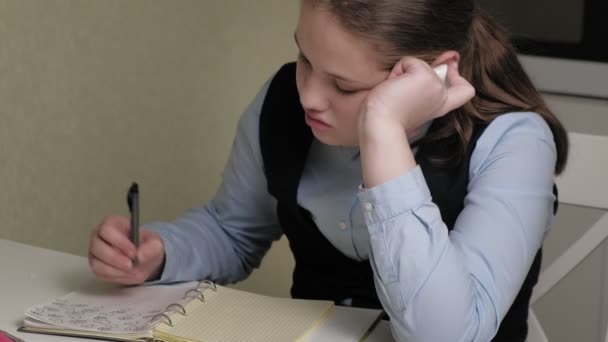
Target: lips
316 122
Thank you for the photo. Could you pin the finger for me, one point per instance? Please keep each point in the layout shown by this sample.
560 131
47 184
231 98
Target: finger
459 90
121 222
106 271
116 231
151 247
121 280
101 250
453 76
457 96
408 65
114 275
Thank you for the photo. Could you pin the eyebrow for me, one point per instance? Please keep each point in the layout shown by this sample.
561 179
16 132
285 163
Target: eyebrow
336 76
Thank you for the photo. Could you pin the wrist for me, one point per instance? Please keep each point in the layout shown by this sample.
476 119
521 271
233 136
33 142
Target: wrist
377 126
158 270
385 151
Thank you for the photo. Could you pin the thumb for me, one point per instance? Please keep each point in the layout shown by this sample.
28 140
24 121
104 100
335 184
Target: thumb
459 90
407 65
151 247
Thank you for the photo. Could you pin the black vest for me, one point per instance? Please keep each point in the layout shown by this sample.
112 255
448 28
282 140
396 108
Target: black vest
321 271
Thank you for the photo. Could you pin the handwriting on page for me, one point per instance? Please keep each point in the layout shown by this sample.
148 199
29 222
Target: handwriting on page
126 310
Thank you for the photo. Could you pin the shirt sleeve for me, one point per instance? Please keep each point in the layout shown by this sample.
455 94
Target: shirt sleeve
464 282
226 238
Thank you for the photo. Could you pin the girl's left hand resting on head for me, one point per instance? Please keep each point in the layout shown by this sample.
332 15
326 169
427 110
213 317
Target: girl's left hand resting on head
414 94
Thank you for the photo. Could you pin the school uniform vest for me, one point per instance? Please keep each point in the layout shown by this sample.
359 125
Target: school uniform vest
321 271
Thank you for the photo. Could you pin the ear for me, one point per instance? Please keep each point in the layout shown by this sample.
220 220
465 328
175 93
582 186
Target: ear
446 58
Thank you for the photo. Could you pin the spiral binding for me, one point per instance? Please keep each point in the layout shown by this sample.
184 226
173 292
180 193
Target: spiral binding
179 308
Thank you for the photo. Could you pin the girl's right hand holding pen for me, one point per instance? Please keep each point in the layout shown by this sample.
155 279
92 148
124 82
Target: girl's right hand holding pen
111 252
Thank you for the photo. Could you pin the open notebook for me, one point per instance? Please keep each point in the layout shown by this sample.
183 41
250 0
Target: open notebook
194 311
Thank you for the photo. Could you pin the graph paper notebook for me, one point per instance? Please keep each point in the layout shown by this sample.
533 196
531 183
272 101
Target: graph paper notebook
186 312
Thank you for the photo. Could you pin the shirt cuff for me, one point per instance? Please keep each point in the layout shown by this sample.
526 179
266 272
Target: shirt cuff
165 276
396 196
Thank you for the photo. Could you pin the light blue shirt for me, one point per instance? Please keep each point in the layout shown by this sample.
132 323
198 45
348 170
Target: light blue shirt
435 286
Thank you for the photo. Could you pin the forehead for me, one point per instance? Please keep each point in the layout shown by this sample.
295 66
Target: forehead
327 44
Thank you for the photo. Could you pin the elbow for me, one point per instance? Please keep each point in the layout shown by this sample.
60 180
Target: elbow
249 256
475 321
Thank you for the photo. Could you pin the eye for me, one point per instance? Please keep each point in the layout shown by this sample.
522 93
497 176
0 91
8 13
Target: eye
344 91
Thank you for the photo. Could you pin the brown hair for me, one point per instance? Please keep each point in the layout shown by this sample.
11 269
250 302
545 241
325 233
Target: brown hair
425 29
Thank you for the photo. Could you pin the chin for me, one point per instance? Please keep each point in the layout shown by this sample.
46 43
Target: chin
334 141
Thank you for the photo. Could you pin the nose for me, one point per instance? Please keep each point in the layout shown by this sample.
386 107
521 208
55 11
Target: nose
312 94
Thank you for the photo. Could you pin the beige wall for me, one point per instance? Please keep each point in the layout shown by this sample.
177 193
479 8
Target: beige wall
96 94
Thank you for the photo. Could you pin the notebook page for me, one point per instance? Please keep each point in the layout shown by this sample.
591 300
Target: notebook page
114 310
231 315
346 324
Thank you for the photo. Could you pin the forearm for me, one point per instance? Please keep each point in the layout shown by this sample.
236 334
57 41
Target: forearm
467 279
412 258
423 281
225 239
197 247
385 150
406 251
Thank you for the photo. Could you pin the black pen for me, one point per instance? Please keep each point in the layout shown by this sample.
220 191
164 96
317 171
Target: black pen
133 202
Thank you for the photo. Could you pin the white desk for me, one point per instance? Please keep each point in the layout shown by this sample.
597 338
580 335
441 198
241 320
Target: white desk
30 275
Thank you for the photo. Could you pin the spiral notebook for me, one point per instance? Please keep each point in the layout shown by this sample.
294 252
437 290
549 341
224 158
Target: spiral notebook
186 312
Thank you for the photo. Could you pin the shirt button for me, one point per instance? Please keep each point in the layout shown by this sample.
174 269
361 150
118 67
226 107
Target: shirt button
342 225
368 206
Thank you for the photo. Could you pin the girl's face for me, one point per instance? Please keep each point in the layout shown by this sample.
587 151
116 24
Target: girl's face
335 71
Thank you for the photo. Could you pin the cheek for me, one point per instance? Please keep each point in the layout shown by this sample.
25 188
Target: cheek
347 115
347 108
